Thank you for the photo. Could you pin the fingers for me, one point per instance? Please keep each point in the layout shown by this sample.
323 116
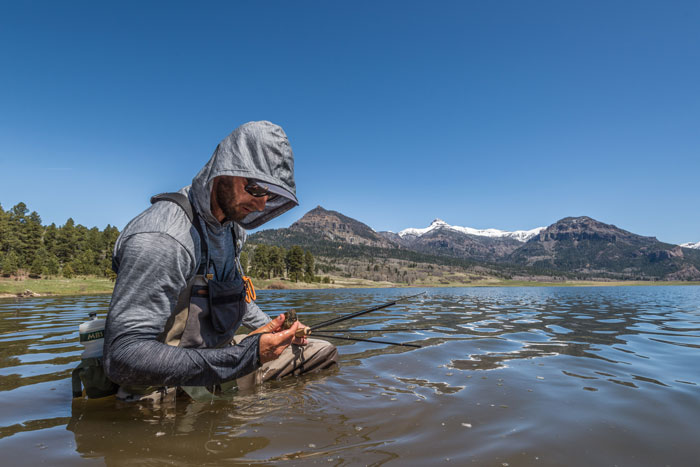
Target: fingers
272 345
285 337
273 326
301 335
276 324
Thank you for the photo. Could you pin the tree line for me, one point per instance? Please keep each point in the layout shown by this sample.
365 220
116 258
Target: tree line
29 248
268 261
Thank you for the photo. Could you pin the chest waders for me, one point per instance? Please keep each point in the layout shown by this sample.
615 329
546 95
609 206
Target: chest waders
208 311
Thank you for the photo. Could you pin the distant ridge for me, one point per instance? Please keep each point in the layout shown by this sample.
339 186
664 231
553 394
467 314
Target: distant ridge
577 247
585 245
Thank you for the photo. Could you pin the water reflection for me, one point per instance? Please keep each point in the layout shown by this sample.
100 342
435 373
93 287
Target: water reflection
498 364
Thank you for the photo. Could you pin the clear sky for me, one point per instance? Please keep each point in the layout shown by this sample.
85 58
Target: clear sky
504 114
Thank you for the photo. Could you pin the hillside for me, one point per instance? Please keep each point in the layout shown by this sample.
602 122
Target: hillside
588 247
574 248
334 226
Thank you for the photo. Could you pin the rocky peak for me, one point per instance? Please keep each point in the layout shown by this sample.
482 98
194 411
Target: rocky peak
335 226
582 228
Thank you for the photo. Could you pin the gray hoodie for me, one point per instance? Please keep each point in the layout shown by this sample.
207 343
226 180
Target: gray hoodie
159 251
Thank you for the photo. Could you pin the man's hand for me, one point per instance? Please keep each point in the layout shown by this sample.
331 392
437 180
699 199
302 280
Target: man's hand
276 326
272 344
274 340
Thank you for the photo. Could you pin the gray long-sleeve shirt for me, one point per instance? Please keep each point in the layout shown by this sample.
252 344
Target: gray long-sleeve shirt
159 251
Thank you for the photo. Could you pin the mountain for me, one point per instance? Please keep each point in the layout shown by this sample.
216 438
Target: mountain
579 247
440 238
439 224
333 235
334 226
695 246
586 246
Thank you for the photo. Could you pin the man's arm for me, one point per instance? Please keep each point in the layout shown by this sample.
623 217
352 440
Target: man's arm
254 317
153 269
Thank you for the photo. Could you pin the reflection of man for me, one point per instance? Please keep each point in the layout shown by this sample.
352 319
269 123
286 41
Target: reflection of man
179 295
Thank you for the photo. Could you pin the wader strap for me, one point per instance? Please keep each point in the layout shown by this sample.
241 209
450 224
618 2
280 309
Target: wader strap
179 199
184 202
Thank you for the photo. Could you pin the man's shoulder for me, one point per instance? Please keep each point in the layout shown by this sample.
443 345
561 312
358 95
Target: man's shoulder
164 217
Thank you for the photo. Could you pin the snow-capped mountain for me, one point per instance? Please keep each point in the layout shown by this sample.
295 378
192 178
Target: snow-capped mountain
695 245
519 235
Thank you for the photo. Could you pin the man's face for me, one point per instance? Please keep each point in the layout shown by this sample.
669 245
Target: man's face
231 199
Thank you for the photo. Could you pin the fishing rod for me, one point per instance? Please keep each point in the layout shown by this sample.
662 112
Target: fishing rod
323 324
378 330
330 336
308 330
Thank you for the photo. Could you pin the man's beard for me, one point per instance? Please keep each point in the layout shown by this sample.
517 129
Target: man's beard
227 201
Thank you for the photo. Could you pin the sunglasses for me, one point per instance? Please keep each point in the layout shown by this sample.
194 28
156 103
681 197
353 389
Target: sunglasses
258 191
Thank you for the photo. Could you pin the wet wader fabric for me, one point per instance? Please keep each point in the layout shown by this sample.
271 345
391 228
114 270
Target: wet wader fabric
295 360
90 374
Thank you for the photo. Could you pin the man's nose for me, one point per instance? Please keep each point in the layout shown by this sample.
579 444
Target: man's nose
260 202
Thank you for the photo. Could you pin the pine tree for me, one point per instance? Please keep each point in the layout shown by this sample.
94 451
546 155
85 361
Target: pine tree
109 235
10 264
276 261
4 230
51 265
15 239
37 266
68 271
50 234
261 261
308 267
295 263
85 264
34 233
66 241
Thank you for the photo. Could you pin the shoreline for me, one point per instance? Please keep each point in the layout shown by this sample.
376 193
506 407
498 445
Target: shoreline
55 287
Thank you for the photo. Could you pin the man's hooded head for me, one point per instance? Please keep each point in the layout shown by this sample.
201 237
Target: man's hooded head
255 151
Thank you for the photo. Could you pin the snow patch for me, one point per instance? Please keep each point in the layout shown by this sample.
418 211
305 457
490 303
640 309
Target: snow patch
695 245
519 235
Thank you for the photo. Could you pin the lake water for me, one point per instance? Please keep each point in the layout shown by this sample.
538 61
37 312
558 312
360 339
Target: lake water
506 376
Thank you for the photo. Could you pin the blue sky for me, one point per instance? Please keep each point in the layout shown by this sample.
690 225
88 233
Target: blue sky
506 114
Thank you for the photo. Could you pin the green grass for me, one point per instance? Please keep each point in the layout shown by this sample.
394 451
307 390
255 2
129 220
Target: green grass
57 286
97 285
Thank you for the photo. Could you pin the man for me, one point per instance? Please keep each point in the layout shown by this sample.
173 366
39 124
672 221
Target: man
179 295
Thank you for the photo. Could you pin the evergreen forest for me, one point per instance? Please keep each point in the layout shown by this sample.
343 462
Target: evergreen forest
28 248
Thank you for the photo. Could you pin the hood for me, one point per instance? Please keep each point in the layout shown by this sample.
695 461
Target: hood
258 150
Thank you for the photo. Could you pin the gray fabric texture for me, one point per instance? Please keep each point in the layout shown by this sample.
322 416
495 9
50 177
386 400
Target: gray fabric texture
159 251
258 150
